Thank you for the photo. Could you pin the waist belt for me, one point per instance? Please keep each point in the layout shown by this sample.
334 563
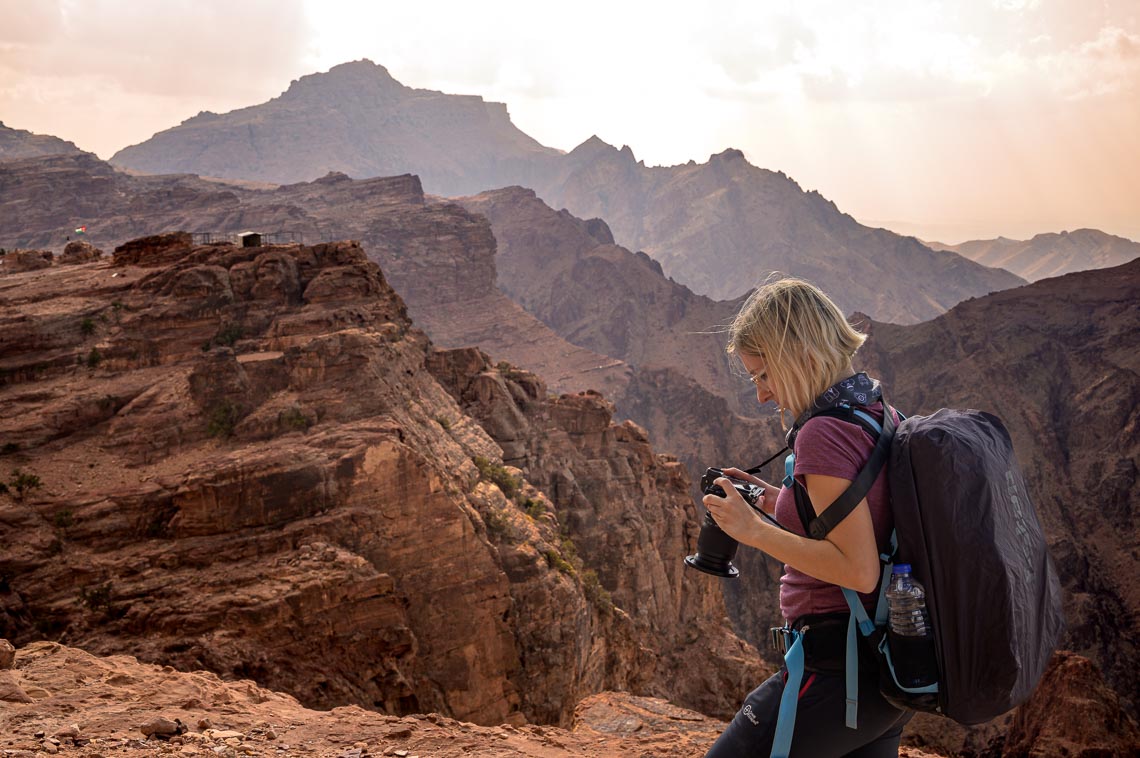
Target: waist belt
824 641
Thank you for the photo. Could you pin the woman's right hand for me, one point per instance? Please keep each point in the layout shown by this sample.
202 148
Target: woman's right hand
768 503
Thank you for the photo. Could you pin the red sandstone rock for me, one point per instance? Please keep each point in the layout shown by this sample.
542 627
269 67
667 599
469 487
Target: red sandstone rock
18 261
1073 712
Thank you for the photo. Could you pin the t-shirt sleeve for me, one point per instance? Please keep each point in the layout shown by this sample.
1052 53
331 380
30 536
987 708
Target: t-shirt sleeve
831 447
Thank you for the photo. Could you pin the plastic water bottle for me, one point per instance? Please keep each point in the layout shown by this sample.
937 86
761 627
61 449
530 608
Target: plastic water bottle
910 637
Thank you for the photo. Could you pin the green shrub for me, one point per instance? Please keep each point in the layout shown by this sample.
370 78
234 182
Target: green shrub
227 336
63 519
556 561
87 327
293 418
596 593
23 483
94 358
493 472
534 508
223 419
499 525
443 421
96 598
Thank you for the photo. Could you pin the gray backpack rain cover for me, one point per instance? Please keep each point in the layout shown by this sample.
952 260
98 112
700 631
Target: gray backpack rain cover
967 527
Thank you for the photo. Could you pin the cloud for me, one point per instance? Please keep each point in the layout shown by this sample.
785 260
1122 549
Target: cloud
169 48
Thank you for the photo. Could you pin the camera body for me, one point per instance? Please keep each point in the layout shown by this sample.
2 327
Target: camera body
750 492
715 549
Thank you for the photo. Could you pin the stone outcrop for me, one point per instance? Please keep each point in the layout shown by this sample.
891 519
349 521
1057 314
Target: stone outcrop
246 467
79 251
18 261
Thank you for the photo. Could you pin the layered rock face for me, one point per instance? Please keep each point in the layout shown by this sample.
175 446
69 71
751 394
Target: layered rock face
629 514
357 119
1049 254
243 465
723 226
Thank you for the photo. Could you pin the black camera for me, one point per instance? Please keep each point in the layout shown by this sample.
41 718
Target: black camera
715 549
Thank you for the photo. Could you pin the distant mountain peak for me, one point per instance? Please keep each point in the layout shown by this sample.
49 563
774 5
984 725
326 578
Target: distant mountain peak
729 154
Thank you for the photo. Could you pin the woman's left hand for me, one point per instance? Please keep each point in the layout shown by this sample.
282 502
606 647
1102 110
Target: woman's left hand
734 516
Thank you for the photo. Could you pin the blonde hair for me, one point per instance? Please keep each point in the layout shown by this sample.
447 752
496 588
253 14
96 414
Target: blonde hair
805 341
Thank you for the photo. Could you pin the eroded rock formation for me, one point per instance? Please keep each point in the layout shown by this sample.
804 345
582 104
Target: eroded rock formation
243 465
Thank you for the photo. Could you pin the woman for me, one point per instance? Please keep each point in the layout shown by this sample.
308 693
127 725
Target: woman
797 348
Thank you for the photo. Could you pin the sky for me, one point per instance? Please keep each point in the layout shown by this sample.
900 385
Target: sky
952 120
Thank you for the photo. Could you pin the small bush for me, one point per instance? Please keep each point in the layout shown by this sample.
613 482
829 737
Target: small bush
293 418
228 335
596 593
534 508
94 358
499 526
63 519
96 598
556 561
223 419
87 327
22 483
9 448
444 422
493 472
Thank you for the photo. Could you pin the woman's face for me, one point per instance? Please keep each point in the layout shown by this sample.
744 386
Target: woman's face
757 369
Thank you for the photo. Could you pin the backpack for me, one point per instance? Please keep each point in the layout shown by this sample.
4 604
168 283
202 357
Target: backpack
956 490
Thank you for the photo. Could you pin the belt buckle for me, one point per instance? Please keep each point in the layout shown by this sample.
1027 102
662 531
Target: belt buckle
784 636
780 636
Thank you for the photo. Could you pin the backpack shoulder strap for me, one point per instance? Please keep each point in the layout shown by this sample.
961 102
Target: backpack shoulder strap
818 527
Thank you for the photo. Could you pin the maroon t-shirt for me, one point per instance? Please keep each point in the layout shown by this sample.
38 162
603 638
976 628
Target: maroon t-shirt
830 447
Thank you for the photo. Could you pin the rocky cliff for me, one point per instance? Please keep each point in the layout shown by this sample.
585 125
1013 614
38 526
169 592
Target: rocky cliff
1049 254
356 119
236 459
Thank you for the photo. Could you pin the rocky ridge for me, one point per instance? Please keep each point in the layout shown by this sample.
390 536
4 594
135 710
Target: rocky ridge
354 118
722 226
18 143
244 466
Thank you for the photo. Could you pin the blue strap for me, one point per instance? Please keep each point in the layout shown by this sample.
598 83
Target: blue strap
790 700
870 420
789 469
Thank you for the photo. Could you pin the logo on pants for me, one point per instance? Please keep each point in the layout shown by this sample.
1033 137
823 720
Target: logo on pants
747 711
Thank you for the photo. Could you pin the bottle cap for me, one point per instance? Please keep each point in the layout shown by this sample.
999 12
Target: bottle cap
901 568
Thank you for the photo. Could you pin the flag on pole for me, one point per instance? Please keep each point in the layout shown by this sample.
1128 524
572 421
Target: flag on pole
81 230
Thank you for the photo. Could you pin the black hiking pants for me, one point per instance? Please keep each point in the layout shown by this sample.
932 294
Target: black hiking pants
820 729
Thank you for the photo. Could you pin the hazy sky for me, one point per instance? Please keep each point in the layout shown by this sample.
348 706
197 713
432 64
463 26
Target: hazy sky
951 120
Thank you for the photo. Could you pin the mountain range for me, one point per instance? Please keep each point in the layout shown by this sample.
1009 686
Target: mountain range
1049 254
719 227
